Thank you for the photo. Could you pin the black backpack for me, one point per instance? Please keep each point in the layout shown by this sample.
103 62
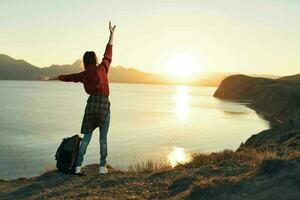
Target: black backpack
66 154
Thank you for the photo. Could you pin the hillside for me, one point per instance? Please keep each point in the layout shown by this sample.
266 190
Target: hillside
277 100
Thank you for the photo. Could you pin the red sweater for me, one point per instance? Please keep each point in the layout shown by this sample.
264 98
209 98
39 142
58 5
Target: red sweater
94 78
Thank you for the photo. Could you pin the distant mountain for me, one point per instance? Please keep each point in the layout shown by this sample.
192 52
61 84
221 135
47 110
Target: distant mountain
12 69
295 77
121 74
55 70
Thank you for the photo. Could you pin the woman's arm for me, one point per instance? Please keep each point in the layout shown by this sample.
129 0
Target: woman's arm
47 78
76 77
53 78
106 60
111 35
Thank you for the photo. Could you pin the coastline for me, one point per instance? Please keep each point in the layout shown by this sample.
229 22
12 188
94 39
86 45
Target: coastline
268 163
276 100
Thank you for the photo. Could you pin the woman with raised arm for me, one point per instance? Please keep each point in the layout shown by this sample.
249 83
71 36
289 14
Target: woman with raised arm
97 110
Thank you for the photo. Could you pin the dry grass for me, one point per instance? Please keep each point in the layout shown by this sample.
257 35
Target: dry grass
230 157
292 155
150 166
225 157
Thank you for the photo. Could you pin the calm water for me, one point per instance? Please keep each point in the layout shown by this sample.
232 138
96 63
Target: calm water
147 122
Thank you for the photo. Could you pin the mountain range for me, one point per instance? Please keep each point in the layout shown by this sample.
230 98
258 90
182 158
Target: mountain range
18 69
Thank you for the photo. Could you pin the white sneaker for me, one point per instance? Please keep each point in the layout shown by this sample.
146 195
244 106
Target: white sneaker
77 170
103 170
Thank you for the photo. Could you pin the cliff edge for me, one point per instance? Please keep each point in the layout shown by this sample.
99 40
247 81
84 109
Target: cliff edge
277 100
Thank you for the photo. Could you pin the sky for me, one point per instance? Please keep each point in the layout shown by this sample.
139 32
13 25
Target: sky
257 36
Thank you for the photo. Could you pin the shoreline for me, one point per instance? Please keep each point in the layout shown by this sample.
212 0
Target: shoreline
267 162
274 99
272 119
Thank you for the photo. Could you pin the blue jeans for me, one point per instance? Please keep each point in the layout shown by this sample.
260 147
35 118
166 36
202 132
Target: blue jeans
102 140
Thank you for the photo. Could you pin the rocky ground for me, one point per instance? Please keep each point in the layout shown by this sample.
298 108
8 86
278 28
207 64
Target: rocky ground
245 174
267 166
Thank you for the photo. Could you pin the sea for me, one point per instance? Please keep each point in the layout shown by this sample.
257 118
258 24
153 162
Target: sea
148 122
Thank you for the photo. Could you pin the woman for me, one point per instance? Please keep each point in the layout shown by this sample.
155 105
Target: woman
97 111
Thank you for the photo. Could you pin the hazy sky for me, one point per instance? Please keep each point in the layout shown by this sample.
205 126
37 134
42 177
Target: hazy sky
249 36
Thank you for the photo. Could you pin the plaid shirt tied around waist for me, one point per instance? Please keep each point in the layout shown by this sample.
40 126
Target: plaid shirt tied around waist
95 113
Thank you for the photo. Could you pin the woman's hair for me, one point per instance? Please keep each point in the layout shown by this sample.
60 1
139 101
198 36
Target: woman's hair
89 58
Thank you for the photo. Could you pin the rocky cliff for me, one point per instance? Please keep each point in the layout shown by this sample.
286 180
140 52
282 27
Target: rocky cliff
277 100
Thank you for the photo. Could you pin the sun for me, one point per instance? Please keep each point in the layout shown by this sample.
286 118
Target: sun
182 66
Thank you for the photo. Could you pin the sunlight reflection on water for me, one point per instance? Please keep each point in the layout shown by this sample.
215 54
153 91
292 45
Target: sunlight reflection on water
177 156
182 100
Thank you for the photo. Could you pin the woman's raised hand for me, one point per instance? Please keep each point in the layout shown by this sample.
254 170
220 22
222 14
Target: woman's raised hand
111 28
